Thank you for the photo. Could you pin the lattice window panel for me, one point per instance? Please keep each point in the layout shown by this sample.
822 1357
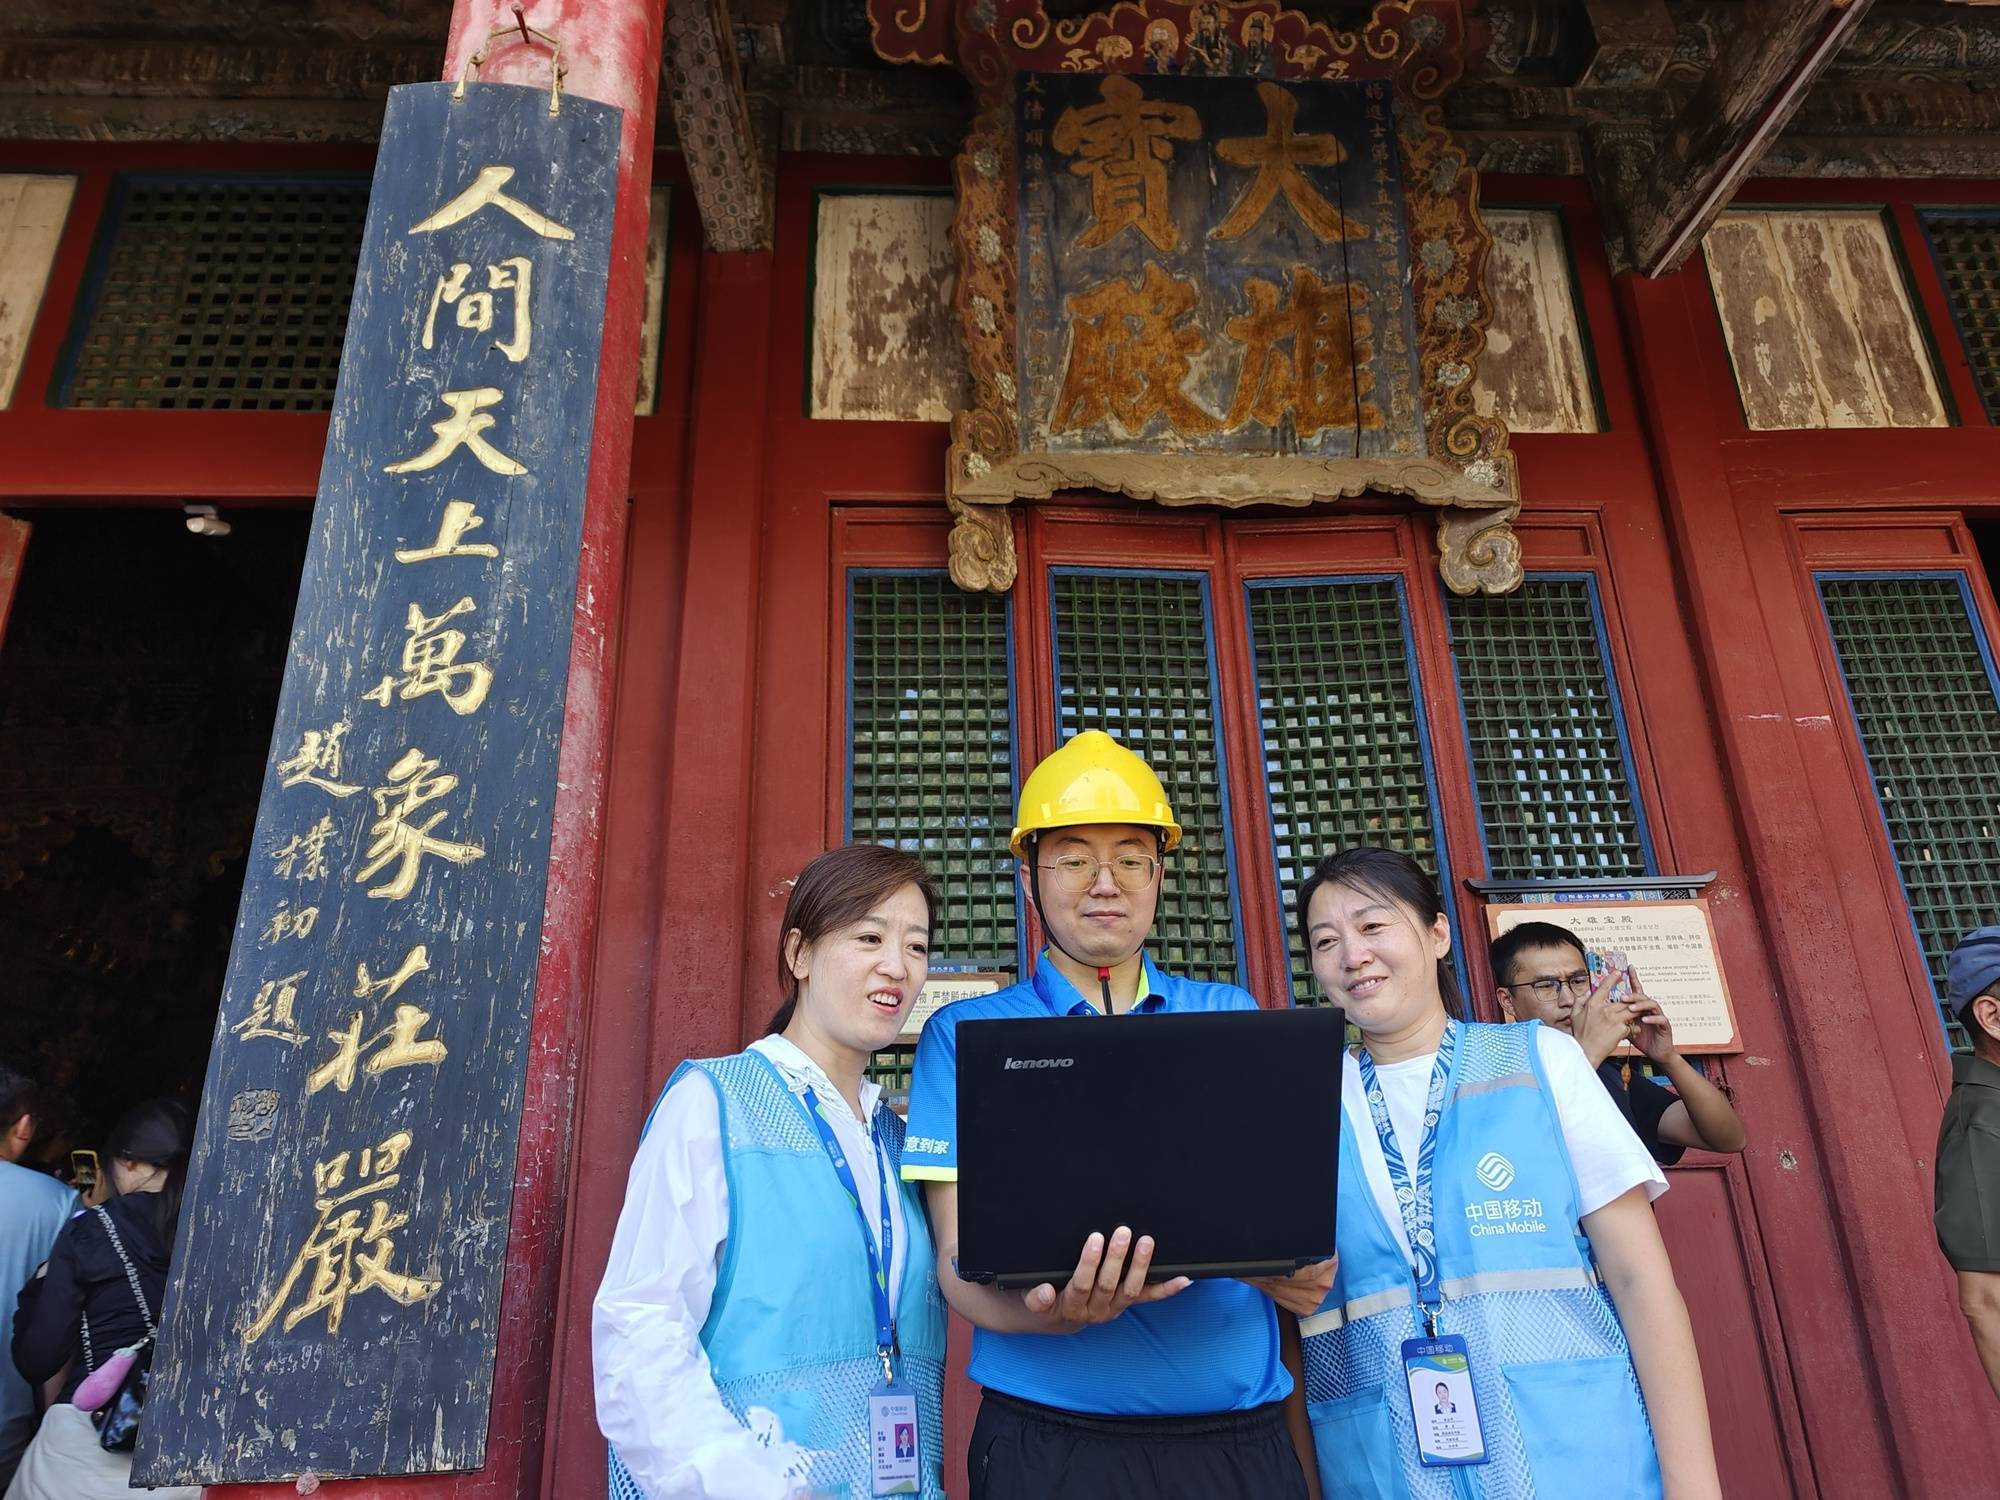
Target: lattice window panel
1133 659
1925 706
1343 747
219 294
931 763
891 1067
1555 791
1967 247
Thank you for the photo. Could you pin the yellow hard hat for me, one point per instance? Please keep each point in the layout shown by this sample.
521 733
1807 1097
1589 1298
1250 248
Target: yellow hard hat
1092 779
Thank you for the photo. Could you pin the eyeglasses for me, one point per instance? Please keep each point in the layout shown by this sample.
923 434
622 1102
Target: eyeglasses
1578 984
1078 872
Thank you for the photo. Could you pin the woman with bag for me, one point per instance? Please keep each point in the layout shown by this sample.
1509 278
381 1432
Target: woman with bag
90 1316
769 1326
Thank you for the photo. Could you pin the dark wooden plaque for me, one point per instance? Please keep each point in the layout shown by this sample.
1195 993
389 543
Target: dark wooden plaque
336 1285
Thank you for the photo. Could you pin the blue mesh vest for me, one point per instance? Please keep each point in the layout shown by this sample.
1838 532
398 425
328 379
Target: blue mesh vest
792 1330
1557 1393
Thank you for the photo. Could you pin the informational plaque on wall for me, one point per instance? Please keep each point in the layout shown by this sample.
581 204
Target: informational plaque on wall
1671 948
941 990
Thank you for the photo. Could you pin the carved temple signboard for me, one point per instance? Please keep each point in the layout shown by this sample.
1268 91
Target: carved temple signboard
1215 254
336 1287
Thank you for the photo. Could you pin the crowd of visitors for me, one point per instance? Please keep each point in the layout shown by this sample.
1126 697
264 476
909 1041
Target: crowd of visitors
85 1272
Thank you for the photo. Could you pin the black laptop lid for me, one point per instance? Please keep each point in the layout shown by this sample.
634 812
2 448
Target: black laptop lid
1216 1133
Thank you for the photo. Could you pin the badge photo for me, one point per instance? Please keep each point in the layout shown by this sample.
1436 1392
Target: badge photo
1439 1373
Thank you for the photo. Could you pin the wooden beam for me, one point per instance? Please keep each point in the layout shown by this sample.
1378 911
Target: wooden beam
1739 108
719 141
1633 41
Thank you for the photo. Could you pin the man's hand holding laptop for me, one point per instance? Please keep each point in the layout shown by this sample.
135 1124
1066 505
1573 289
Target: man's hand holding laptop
1300 1293
1109 1278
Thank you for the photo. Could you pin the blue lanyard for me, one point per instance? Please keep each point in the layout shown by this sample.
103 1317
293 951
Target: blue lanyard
879 1261
1413 1198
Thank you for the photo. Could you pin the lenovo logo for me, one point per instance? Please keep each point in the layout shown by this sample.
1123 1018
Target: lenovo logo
1038 1062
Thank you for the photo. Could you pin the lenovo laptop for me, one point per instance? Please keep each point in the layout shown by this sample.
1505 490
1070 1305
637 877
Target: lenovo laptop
1217 1133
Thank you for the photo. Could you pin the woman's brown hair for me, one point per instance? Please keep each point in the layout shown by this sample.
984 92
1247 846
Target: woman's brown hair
839 887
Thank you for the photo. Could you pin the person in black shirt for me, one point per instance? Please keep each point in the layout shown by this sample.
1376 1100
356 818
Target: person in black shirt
1967 1176
1543 973
82 1308
33 1209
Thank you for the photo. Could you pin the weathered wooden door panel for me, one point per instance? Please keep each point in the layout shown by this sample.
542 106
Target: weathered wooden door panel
1713 1260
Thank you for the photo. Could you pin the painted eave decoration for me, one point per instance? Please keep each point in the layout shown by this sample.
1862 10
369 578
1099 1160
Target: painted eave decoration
1215 254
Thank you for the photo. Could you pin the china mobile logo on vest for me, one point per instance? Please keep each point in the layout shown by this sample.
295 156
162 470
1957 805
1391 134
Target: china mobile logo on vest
1037 1062
1497 1215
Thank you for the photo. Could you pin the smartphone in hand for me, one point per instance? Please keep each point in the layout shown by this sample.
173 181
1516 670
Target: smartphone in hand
1600 964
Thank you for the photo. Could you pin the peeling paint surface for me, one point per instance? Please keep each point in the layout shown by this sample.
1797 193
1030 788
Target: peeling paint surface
885 347
32 211
1819 322
1533 373
653 314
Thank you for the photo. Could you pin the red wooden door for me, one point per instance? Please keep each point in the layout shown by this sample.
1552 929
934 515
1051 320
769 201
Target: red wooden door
1706 1224
1235 634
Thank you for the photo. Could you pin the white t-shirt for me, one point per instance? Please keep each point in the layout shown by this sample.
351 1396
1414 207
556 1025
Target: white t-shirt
1607 1156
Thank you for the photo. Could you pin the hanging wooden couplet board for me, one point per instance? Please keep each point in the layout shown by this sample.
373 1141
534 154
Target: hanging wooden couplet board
1215 254
336 1286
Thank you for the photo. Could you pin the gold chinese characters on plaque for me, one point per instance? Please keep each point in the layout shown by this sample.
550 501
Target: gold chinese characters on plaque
1215 254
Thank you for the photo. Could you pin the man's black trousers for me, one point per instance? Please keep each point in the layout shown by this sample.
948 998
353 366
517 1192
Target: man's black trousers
1023 1451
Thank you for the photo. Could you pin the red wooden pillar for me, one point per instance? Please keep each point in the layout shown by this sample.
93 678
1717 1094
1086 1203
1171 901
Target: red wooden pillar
610 51
713 986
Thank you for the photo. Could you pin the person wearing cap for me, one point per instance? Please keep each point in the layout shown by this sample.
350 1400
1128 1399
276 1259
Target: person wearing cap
1107 1387
1968 1151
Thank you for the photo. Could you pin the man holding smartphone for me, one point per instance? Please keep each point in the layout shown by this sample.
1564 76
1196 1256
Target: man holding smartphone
1109 1388
1545 974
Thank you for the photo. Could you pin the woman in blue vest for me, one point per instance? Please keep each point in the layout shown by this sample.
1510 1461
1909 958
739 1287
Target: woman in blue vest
769 1325
1495 1238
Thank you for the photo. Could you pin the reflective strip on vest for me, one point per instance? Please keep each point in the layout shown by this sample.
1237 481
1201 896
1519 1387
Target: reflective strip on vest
1354 1312
1520 1080
1552 1279
1547 1279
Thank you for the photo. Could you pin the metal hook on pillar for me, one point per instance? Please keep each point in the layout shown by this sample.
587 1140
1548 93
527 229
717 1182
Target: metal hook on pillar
528 36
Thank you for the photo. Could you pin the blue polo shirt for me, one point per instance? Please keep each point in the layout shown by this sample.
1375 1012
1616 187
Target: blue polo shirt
1213 1348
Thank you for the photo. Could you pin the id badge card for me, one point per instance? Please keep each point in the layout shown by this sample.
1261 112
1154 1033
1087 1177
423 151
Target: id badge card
1439 1374
892 1439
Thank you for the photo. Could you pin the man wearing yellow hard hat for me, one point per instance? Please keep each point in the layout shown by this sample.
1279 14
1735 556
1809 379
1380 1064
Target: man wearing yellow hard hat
1107 1388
